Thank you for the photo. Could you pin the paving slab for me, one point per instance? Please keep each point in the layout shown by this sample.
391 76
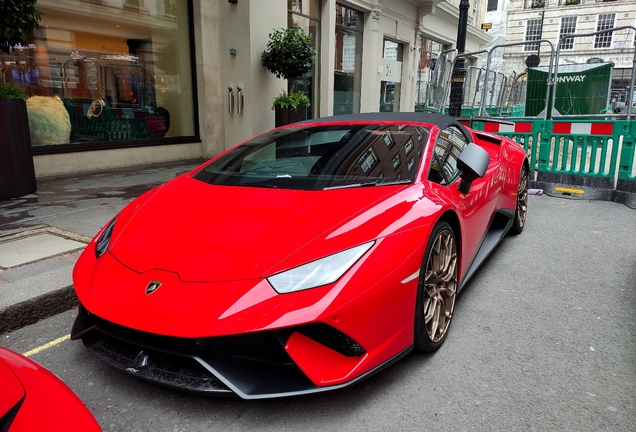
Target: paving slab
33 248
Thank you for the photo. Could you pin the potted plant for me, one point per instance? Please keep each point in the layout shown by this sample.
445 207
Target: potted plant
289 54
572 2
17 175
537 4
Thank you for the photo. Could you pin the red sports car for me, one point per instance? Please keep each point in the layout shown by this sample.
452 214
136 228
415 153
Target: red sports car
33 399
302 260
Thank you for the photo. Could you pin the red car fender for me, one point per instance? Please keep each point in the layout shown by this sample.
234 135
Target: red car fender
333 367
48 404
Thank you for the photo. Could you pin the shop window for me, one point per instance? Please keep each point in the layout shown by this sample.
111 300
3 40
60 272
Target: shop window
126 83
305 14
348 60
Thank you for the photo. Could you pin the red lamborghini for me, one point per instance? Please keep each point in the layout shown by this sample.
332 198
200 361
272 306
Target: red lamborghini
302 260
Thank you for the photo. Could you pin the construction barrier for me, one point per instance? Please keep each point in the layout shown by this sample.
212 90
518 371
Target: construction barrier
597 154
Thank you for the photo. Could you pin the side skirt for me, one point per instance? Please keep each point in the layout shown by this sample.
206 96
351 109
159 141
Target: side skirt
500 225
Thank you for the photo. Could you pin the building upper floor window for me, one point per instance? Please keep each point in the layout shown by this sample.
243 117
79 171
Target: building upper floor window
492 5
568 26
605 22
533 33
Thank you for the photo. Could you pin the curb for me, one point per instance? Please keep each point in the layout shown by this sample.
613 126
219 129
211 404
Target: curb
33 310
627 198
576 192
575 187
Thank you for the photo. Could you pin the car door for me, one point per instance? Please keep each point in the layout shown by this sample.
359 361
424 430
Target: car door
474 208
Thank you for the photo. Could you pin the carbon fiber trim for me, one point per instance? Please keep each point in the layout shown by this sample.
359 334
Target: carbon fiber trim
253 366
332 338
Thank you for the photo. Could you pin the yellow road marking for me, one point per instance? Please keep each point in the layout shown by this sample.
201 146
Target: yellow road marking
47 346
576 191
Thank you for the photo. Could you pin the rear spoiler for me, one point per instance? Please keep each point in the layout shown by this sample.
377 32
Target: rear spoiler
471 119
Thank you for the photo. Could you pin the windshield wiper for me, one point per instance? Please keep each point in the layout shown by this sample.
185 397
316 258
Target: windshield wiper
359 185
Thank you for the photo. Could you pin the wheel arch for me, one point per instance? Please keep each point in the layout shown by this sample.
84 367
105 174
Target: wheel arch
453 220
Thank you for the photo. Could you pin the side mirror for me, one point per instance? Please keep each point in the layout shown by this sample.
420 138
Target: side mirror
473 163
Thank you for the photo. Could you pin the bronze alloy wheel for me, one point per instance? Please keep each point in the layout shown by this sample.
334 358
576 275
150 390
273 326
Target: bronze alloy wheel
440 285
522 198
521 212
437 288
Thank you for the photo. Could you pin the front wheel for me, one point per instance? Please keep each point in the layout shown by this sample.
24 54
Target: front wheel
521 212
437 289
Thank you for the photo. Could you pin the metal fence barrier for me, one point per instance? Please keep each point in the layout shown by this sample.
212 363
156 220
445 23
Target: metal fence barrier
571 137
594 153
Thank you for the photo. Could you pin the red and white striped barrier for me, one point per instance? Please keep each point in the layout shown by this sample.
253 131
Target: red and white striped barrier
583 128
521 127
557 128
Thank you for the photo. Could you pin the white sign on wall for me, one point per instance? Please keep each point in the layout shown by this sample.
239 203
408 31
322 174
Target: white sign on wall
392 70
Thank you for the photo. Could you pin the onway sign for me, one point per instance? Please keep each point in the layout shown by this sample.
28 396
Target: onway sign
580 89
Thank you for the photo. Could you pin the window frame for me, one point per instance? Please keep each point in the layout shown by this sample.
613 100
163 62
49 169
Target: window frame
600 40
568 44
526 38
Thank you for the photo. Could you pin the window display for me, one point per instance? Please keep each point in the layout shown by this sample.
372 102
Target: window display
121 69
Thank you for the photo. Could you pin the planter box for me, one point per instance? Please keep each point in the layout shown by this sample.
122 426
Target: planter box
17 176
283 116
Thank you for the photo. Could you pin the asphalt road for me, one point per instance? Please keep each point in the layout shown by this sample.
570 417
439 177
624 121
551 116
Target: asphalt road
543 338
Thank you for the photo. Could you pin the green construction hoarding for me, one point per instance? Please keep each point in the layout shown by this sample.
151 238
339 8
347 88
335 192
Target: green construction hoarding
580 89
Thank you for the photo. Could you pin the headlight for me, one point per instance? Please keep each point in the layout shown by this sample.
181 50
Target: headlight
104 239
318 273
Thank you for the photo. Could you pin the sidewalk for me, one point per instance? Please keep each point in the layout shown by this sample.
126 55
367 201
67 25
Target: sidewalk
42 235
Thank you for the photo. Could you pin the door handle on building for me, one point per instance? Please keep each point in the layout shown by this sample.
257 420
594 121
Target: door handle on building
230 100
239 100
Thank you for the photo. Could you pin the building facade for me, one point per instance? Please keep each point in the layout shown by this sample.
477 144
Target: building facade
533 20
145 81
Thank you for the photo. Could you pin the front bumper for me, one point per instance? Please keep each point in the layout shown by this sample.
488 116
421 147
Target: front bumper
251 365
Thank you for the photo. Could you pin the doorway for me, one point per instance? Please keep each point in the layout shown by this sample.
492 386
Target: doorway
390 85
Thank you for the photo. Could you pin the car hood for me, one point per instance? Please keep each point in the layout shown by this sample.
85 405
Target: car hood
205 232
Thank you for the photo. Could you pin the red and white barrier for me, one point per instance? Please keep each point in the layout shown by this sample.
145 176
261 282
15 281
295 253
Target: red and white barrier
520 127
557 128
583 128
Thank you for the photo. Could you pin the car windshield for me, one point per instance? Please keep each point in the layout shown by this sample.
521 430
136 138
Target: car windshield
322 157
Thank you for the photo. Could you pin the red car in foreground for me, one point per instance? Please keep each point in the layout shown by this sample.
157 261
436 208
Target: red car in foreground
302 260
34 399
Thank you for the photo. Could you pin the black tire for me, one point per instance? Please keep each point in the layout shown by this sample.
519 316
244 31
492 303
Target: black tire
521 212
437 289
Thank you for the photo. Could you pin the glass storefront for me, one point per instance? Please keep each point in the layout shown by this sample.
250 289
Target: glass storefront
348 60
305 14
114 72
